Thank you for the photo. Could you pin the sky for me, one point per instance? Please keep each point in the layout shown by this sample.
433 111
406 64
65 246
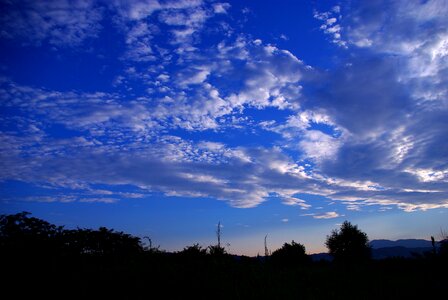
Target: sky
279 118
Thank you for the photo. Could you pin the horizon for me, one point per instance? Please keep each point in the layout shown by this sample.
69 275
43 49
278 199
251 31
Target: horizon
439 238
163 118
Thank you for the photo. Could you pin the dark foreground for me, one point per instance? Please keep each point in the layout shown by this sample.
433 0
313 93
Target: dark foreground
165 276
42 261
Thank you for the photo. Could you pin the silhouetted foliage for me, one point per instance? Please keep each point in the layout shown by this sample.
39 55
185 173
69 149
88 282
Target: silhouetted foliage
101 242
20 233
293 253
193 252
217 250
348 244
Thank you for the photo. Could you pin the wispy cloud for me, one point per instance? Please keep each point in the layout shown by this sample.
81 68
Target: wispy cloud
327 215
59 23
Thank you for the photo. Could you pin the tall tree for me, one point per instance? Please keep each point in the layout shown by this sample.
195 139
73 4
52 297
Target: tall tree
348 244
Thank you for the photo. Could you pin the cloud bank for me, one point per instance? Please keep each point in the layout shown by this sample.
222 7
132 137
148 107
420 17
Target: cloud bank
369 131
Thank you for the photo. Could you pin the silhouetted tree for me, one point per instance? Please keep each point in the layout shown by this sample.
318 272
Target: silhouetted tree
293 253
348 244
20 233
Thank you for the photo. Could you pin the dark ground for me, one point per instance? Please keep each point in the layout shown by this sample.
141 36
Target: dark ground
168 276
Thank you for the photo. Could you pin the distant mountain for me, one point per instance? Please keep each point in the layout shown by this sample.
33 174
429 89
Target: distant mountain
386 248
321 256
408 243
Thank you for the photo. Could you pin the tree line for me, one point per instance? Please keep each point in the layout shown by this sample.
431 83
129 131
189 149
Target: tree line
23 234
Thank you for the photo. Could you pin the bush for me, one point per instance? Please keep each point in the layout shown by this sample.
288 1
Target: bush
193 252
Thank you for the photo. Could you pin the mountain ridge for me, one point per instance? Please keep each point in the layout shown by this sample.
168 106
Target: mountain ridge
407 243
383 248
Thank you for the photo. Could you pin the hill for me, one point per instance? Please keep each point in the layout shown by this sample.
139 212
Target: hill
407 243
381 249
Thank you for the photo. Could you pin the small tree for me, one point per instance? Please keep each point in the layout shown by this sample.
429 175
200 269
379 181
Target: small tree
293 253
348 244
217 250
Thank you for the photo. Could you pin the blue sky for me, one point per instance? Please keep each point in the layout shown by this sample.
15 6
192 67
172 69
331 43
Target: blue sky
161 118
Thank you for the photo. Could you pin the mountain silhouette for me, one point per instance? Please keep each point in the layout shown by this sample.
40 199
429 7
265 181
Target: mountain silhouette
407 243
406 248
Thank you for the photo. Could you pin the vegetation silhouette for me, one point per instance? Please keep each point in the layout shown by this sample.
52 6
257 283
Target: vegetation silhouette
194 252
21 234
293 253
443 245
348 244
49 261
217 250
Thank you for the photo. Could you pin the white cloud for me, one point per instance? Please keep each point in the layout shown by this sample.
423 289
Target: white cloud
184 22
319 146
327 215
293 201
330 25
99 200
403 29
195 76
163 77
51 199
198 169
353 207
221 8
59 23
429 175
140 9
138 41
